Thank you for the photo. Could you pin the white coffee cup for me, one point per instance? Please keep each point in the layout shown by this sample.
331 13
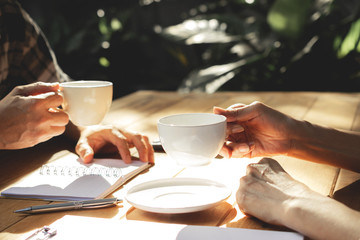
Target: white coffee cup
192 139
86 102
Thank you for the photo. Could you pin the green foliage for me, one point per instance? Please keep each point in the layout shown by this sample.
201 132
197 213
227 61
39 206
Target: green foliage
206 45
288 45
350 42
289 17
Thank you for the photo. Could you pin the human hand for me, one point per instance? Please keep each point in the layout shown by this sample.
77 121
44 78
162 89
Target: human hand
267 192
108 139
255 130
272 195
29 115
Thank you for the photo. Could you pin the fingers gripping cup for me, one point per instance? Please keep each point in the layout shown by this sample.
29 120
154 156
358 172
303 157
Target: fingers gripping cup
86 102
192 139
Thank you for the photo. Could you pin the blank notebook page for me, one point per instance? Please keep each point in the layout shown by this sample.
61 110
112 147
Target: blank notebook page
70 179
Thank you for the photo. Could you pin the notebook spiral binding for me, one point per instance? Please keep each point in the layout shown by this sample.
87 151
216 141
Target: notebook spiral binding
80 171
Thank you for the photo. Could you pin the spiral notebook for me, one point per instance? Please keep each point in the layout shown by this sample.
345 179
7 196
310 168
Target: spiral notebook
69 179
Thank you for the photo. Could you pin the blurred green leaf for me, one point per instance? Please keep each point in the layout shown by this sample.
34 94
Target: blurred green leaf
116 24
351 41
288 17
103 28
104 62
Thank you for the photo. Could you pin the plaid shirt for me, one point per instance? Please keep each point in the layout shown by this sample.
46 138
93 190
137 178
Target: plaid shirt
25 54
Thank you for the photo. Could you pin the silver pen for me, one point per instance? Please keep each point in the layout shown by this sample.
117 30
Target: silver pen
87 204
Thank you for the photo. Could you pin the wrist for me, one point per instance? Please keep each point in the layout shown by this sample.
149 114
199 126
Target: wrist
307 212
294 129
324 145
311 216
296 215
301 137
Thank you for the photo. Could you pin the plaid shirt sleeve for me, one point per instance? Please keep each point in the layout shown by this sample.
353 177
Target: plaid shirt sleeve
25 54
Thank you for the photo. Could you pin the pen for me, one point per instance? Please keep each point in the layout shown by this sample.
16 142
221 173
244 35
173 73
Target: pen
87 204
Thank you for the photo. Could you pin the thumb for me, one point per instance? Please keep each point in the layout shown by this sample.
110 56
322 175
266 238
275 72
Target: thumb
37 88
85 152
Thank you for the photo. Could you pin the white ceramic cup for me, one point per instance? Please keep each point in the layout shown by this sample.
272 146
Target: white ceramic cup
192 139
86 102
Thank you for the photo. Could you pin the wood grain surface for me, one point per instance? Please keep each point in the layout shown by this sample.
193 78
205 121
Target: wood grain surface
141 110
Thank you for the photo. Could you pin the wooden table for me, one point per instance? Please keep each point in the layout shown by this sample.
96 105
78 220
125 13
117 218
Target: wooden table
141 110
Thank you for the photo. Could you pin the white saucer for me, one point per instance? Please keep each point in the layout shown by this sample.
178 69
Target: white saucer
177 195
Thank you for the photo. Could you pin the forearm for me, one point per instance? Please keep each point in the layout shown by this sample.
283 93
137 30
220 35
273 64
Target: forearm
321 217
325 145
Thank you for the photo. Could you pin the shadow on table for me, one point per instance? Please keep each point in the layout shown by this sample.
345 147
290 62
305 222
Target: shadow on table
349 195
14 164
216 216
254 223
29 223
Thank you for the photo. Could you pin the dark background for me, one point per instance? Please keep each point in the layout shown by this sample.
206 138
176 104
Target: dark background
204 45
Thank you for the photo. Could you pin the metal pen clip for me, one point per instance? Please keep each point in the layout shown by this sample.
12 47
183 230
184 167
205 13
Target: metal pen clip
42 234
